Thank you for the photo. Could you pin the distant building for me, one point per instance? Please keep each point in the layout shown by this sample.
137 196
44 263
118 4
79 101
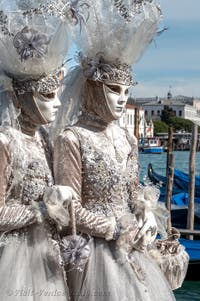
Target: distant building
182 106
149 129
128 121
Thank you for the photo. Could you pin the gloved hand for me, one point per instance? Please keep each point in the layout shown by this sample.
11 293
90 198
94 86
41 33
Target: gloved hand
57 199
128 232
147 232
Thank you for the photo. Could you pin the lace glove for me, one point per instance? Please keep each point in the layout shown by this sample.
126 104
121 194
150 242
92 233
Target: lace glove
16 217
57 199
147 232
128 231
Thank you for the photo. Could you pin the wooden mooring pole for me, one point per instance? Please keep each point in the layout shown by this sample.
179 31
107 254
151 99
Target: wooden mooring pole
170 182
191 192
170 147
136 123
170 176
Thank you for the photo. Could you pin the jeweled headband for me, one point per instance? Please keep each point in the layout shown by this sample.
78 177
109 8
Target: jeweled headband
97 69
45 84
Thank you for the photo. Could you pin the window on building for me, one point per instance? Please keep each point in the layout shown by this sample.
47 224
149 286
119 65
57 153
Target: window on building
180 113
146 113
158 112
127 119
152 113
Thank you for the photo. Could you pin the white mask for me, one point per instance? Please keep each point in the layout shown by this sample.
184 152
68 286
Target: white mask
116 96
47 105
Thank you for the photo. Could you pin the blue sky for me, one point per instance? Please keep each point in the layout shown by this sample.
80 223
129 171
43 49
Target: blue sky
174 59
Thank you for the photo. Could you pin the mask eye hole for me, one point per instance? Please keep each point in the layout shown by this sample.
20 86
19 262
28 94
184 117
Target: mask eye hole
114 88
127 92
49 95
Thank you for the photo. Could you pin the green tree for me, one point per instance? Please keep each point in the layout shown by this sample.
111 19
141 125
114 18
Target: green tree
166 114
180 124
160 127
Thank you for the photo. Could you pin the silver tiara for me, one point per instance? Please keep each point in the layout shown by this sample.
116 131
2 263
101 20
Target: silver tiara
97 69
45 84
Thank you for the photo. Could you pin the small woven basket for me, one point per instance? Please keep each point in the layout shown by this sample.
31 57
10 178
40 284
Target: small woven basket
172 259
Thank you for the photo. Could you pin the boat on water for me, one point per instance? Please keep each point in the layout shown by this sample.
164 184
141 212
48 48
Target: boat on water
179 212
192 247
179 198
150 145
180 185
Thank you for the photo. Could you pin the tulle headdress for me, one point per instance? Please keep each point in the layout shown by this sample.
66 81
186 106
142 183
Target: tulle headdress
34 41
115 36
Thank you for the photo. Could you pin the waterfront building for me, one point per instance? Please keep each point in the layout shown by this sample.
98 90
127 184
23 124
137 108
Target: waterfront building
146 129
182 106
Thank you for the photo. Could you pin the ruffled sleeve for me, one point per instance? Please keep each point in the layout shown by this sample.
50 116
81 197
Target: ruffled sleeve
68 171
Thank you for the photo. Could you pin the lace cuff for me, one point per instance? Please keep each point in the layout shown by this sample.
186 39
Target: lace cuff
16 217
113 230
89 223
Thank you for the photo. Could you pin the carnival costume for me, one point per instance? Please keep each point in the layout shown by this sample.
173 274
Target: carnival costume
102 168
33 47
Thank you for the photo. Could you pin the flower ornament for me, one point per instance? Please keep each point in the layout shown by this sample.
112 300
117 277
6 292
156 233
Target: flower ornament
34 40
95 68
76 251
29 43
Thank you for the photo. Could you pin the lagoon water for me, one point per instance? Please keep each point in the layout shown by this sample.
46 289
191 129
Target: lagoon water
159 162
190 291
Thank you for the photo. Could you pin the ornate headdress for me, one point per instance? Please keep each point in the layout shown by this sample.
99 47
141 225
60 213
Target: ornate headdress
34 41
115 36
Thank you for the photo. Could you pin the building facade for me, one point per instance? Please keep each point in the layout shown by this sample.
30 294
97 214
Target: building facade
128 121
182 106
153 111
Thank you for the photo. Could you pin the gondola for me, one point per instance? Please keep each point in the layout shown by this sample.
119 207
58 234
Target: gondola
179 201
181 181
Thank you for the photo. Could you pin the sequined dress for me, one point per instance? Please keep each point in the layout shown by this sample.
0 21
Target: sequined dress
30 261
104 173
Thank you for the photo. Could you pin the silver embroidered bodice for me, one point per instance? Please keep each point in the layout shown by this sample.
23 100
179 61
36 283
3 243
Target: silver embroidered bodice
24 174
103 172
28 171
107 173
